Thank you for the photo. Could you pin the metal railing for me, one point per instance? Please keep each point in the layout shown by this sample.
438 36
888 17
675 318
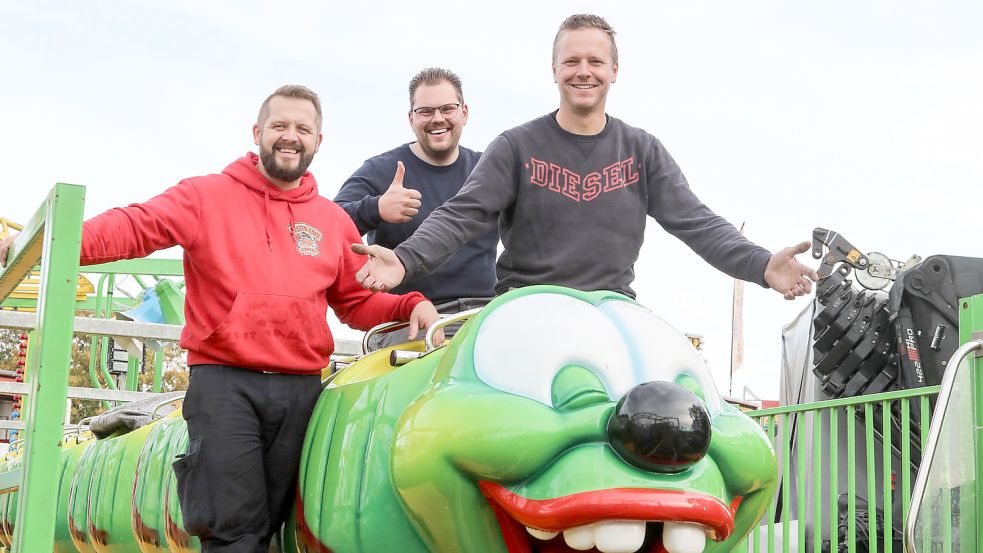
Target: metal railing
53 235
951 521
823 488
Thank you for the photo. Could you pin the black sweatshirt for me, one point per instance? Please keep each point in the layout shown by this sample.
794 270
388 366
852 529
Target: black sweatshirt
470 273
572 209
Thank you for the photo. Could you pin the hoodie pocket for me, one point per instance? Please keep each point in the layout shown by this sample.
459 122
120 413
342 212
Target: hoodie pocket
263 330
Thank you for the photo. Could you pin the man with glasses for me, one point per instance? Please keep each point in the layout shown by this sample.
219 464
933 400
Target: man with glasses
393 192
571 191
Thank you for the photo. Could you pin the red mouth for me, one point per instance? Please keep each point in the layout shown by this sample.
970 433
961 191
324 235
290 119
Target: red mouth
515 512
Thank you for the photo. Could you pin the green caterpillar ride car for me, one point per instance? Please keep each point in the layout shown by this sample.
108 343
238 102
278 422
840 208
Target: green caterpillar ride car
554 421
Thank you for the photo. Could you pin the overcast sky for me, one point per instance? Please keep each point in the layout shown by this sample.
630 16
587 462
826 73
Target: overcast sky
860 117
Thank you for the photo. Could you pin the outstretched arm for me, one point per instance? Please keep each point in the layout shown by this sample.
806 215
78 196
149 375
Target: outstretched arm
785 275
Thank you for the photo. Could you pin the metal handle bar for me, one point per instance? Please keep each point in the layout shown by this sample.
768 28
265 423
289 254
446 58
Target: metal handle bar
444 321
935 430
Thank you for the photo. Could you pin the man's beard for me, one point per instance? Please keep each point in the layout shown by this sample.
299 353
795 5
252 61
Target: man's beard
280 172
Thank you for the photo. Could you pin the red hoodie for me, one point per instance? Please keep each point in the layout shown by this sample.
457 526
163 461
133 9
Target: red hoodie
261 266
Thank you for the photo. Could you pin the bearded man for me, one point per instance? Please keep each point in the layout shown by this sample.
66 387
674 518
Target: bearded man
264 256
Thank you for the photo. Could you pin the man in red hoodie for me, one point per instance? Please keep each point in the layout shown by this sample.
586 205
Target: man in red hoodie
264 256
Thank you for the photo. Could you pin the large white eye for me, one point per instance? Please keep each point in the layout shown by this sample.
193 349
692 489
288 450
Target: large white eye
522 344
660 352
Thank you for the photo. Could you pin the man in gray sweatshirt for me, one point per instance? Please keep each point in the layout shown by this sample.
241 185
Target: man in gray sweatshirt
571 191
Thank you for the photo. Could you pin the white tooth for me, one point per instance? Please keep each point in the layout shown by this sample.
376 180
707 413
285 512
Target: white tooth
619 536
580 538
682 537
541 534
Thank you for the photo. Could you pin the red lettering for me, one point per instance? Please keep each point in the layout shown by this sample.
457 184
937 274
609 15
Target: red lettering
629 172
583 187
612 177
591 186
571 182
555 171
539 172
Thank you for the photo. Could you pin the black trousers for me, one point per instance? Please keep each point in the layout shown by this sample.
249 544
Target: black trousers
246 430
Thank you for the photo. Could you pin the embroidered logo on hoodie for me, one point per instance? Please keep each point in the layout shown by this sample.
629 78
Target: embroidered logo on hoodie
306 237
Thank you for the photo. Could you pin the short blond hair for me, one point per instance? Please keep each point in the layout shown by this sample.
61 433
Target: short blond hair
291 91
587 21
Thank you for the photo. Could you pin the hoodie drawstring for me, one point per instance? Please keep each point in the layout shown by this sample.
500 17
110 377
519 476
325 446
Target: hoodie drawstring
293 225
266 196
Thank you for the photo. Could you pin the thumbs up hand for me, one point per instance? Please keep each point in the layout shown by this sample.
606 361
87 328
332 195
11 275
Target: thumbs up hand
399 204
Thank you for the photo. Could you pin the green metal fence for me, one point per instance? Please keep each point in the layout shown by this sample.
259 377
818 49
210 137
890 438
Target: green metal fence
53 237
876 469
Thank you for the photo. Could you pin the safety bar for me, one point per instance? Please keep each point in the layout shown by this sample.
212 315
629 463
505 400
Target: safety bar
398 357
935 430
445 321
428 338
381 328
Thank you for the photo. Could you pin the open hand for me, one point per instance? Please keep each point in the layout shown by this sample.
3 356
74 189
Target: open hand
785 275
382 272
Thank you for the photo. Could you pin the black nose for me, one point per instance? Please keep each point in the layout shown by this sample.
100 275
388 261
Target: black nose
660 427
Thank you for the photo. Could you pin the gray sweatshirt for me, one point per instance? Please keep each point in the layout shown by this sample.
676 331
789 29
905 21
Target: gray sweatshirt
572 209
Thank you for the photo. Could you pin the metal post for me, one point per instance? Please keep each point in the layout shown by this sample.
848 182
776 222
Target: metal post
158 371
132 372
56 229
970 321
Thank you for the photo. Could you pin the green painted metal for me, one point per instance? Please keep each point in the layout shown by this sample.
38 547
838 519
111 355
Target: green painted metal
103 360
772 430
49 365
851 448
970 320
859 400
89 304
924 406
905 456
132 373
786 482
834 446
171 301
158 372
886 484
817 478
809 471
871 468
146 266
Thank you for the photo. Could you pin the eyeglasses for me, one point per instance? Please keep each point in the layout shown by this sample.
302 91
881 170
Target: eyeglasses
447 110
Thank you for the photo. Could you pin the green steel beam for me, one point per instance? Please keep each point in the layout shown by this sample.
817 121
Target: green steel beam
23 254
157 267
48 367
132 372
970 322
158 371
856 401
89 304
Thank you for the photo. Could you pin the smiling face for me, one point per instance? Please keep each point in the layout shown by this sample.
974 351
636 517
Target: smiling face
625 443
288 138
438 136
584 68
555 421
